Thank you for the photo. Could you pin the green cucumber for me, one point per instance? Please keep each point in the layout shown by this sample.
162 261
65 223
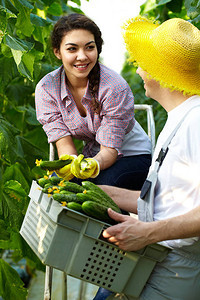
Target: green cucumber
48 185
65 197
65 192
92 195
55 180
42 181
88 185
52 165
46 190
75 206
96 211
72 187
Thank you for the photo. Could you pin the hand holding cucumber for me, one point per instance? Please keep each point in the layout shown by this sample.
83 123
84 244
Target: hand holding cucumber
85 167
65 172
69 166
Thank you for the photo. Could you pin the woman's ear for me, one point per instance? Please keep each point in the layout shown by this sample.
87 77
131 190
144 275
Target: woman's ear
57 53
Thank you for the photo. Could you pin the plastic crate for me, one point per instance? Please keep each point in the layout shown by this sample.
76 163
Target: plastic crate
72 242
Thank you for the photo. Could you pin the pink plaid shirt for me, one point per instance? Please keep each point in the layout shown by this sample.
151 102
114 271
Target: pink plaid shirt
57 112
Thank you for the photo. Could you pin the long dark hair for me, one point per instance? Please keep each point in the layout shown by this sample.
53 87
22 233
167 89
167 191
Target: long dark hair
79 21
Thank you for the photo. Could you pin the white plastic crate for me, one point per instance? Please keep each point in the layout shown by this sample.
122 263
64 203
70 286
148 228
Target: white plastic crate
72 242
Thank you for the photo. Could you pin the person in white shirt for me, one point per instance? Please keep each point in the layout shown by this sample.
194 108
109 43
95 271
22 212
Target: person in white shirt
168 58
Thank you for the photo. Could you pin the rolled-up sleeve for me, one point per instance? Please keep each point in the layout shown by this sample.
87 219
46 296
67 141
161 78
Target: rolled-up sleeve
117 117
48 112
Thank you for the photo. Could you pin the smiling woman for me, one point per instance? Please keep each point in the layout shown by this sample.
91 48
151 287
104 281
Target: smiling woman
85 100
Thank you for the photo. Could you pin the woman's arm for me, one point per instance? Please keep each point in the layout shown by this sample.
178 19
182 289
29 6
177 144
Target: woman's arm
106 157
66 145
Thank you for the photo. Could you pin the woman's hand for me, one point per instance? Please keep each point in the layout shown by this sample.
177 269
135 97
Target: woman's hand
85 167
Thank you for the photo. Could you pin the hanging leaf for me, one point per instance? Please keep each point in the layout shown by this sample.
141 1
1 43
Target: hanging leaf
24 71
193 8
30 152
14 203
7 150
23 3
9 14
24 23
18 44
7 71
11 286
4 234
14 172
175 5
17 55
55 9
38 21
162 2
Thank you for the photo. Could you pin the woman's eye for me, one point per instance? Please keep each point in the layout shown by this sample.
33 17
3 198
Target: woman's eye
90 47
71 49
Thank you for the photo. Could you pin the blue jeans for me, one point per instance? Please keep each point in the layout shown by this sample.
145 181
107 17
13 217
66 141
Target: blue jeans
127 172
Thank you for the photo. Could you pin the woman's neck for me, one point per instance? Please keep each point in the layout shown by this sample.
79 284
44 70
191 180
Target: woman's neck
76 83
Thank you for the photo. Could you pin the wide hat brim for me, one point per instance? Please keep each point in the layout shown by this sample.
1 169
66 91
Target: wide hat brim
169 52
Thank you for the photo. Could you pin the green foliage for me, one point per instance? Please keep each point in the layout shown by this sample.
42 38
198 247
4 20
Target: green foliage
160 10
11 286
25 57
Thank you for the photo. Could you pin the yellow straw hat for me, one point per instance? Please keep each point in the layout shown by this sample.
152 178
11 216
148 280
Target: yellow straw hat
169 52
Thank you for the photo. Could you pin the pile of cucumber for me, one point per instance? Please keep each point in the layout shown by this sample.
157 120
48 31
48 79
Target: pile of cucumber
86 198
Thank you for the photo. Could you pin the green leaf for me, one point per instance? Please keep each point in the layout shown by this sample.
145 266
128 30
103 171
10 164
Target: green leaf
175 5
38 21
4 234
24 71
162 2
11 286
7 150
78 2
15 191
193 8
7 71
17 55
7 4
55 9
3 24
18 44
28 60
29 151
24 23
6 51
9 14
23 3
14 203
14 172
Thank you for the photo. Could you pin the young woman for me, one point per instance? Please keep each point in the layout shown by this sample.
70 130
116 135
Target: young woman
84 99
168 56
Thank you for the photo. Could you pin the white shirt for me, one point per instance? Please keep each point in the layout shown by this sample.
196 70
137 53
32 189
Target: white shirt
178 187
